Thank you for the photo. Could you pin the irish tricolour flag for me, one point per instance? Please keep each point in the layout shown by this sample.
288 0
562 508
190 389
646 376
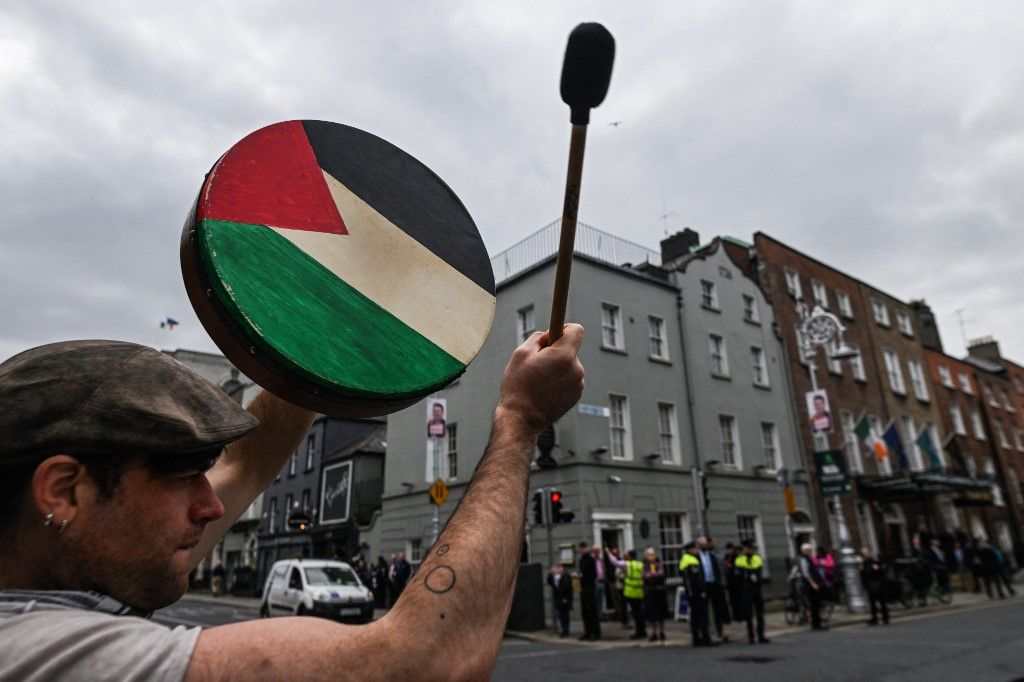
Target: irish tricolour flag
867 435
350 261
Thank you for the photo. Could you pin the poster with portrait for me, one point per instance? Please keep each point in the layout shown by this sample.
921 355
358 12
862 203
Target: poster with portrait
437 413
819 413
335 492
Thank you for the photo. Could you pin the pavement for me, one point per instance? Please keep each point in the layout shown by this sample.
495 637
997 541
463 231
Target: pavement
677 633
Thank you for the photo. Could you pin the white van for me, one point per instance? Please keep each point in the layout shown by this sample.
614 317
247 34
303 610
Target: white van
316 587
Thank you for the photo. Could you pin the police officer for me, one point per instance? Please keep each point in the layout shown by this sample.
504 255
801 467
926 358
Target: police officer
697 592
748 566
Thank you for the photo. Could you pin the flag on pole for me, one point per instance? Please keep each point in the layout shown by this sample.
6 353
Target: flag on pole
864 432
895 446
952 446
168 323
925 442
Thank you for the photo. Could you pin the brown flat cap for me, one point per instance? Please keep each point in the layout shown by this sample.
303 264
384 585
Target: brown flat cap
96 397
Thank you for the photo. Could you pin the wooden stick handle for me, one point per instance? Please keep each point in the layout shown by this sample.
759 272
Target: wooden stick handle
563 268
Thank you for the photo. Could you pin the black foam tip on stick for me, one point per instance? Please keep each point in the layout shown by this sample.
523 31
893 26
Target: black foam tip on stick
587 70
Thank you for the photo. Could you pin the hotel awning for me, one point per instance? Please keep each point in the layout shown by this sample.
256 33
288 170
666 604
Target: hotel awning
965 491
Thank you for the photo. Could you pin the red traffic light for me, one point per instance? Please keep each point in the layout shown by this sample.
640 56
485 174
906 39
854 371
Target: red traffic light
556 496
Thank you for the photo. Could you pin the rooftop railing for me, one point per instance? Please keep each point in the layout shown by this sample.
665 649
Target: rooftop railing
590 241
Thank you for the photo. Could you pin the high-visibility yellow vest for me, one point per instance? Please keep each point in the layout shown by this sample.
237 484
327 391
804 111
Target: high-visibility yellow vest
633 585
687 561
753 562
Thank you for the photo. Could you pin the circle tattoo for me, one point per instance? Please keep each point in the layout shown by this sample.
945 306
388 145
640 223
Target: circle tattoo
442 550
440 579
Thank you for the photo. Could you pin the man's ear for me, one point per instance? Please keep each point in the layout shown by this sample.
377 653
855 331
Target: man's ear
54 485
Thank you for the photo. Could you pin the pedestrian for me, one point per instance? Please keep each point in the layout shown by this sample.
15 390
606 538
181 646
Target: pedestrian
988 566
588 594
561 593
1002 570
120 470
655 595
939 565
217 580
826 565
810 584
874 578
399 575
920 571
732 581
714 577
601 583
749 566
697 593
619 585
633 591
380 583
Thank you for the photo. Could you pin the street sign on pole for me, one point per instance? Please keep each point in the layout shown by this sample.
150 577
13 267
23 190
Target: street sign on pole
832 478
438 492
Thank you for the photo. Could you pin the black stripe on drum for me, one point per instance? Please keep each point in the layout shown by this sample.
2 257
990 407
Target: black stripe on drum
426 208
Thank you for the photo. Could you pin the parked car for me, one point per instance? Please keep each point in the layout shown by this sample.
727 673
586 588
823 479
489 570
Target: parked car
316 587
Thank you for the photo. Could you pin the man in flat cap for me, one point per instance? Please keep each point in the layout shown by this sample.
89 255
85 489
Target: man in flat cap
121 468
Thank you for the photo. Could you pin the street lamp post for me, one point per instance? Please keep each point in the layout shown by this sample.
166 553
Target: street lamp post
818 328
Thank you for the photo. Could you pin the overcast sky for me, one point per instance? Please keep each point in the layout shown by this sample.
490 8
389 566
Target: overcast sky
884 138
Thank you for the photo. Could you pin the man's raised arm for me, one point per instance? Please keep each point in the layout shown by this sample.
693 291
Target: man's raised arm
449 621
249 465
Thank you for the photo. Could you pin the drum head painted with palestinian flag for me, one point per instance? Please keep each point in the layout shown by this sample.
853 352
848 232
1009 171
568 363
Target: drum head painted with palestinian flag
336 270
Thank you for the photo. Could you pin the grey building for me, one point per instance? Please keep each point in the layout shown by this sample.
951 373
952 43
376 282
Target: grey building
628 450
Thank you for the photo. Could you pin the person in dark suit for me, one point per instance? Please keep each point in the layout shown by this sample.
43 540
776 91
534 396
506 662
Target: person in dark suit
588 594
714 576
697 593
561 590
874 577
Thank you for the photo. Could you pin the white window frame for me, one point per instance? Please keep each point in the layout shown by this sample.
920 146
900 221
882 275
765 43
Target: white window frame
792 282
771 452
965 382
1018 438
917 379
976 426
526 322
311 445
833 365
990 395
857 364
672 536
850 441
709 294
1000 430
1007 403
759 364
668 428
733 440
893 371
844 305
272 514
750 309
619 424
820 293
880 312
612 335
293 463
956 416
946 376
904 324
719 355
656 335
414 551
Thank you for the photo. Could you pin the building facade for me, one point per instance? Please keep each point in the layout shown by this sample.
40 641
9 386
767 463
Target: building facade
659 404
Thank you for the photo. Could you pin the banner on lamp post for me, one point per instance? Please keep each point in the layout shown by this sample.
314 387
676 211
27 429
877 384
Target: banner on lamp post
831 468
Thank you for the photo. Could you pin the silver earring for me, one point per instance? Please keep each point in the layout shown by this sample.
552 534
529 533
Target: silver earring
63 525
48 519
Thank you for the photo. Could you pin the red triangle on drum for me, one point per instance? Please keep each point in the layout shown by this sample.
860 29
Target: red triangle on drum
271 178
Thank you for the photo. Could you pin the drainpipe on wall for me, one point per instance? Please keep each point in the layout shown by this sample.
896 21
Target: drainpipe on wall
696 472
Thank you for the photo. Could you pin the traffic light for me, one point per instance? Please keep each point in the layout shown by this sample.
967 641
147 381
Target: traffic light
538 507
558 514
704 490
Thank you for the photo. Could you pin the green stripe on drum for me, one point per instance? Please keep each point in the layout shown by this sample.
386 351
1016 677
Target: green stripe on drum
306 318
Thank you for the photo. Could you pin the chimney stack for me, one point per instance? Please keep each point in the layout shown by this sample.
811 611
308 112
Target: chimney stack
678 245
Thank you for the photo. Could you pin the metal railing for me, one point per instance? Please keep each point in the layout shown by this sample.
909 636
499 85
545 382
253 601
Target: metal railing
590 241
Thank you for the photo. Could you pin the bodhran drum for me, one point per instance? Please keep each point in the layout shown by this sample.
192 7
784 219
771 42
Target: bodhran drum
336 270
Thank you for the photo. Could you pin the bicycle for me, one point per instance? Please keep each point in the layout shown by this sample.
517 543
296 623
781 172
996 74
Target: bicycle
797 610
